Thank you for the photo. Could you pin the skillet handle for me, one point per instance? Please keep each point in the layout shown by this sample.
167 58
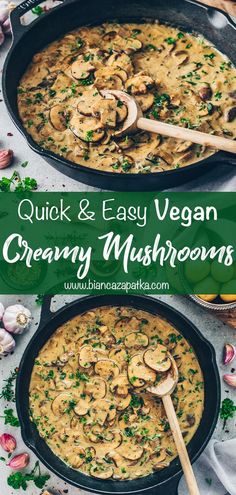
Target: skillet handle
46 312
15 17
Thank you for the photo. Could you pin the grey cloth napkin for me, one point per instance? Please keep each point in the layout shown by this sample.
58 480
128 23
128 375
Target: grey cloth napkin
215 470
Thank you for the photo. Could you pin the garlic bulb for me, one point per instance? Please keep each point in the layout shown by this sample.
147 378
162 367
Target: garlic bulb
1 311
5 28
7 343
16 318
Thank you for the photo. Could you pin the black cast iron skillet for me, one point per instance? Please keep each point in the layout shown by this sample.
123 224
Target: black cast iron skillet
162 482
185 14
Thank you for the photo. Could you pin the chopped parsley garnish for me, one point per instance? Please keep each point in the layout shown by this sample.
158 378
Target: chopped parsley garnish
210 56
218 95
37 10
170 41
89 136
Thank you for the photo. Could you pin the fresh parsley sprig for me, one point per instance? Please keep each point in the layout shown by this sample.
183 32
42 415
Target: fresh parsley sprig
8 392
19 480
227 410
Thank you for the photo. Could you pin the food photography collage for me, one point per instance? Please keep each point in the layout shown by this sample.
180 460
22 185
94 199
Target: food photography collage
118 247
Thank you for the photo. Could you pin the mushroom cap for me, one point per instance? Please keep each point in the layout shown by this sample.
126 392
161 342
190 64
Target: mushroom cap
136 340
138 373
87 356
107 369
157 359
60 403
96 387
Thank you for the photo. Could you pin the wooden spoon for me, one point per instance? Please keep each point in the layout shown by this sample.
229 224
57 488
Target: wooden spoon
164 390
135 121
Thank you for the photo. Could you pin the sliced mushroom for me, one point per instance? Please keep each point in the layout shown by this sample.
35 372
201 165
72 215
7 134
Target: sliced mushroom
107 72
60 404
86 128
123 402
106 110
109 82
81 69
121 60
87 101
120 44
122 111
138 373
120 356
102 410
157 359
57 117
77 457
120 385
145 101
183 146
101 471
82 407
87 356
161 455
126 322
136 340
130 451
160 465
181 57
107 369
205 92
140 83
132 45
108 161
230 114
96 388
93 432
191 419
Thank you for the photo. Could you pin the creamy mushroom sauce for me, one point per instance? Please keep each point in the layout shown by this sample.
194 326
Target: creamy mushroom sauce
175 76
88 398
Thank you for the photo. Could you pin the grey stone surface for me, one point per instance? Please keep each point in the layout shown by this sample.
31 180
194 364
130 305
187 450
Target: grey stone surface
212 328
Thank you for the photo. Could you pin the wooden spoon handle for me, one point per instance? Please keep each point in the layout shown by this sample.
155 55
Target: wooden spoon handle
180 445
198 137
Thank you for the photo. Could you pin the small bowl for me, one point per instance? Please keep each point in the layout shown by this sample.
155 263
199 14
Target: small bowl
211 305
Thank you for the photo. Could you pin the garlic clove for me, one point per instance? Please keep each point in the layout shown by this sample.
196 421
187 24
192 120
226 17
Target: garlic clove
6 157
7 442
230 380
229 353
19 461
2 36
7 343
1 311
16 319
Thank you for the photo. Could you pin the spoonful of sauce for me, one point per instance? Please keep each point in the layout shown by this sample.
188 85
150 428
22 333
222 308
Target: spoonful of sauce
163 389
135 121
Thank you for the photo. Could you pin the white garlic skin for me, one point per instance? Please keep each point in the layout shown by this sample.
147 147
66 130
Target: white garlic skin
16 319
2 309
7 343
